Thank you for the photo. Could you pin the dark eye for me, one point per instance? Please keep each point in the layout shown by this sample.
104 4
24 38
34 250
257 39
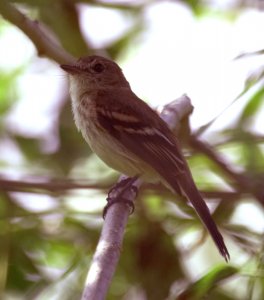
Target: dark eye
98 67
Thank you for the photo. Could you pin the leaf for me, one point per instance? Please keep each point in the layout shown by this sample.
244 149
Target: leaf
252 108
244 55
250 82
201 288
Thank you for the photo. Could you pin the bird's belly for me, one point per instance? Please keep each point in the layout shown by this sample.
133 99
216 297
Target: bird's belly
111 153
116 156
109 150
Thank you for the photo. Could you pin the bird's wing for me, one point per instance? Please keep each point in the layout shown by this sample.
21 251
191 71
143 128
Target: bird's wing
151 141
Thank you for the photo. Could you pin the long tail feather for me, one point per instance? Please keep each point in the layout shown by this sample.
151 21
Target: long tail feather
189 189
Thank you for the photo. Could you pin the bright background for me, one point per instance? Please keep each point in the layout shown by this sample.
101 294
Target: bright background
169 48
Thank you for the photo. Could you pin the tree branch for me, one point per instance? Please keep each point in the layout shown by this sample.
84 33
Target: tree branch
44 42
243 182
50 185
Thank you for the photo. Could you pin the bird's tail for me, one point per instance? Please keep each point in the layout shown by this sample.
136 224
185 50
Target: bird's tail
190 190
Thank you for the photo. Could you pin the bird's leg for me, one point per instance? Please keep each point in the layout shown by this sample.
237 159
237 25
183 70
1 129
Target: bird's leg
118 191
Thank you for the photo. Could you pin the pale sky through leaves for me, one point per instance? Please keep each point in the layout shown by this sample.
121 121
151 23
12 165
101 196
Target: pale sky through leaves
178 53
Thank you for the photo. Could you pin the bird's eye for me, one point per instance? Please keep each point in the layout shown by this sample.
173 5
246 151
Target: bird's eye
98 67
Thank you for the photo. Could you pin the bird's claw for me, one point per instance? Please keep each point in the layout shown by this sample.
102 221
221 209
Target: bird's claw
111 201
124 185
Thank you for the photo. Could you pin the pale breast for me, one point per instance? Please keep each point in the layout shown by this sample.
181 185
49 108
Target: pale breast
110 150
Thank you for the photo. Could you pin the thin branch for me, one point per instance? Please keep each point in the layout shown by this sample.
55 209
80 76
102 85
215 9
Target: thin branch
227 196
242 182
45 44
109 246
205 148
160 190
62 186
50 185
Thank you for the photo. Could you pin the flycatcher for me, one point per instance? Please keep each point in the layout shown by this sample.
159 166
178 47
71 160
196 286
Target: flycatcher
128 135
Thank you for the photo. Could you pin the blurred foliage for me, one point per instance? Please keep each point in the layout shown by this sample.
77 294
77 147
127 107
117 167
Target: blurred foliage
44 254
8 91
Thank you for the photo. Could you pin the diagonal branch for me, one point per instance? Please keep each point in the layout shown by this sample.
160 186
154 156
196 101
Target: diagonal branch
45 44
240 180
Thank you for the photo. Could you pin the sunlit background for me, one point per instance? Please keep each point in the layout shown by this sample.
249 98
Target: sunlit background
166 49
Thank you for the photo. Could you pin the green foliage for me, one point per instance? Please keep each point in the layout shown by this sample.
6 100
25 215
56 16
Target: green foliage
202 287
8 90
252 108
45 253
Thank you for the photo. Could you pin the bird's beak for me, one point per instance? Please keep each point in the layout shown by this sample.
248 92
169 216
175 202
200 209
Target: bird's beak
71 69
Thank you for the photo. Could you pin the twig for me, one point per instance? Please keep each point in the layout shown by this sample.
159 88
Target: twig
218 159
240 180
45 45
50 185
109 246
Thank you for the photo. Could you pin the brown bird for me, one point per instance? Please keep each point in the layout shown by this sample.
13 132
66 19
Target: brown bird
128 135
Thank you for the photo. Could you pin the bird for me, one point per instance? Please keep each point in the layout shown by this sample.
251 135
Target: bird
128 135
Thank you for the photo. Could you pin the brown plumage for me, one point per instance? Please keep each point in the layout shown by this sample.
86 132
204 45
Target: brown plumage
128 135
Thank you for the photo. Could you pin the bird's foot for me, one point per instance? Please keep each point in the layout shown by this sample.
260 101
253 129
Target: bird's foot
117 192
